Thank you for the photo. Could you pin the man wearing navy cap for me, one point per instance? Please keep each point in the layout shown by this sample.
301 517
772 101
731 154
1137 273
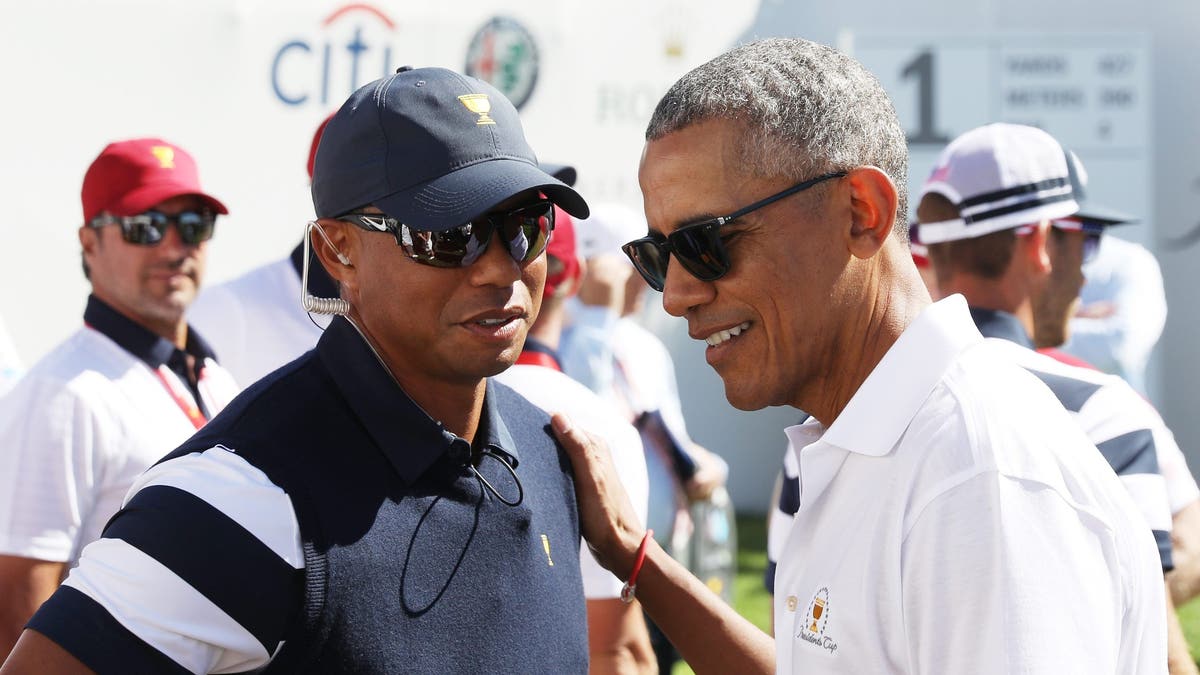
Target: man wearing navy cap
134 381
378 505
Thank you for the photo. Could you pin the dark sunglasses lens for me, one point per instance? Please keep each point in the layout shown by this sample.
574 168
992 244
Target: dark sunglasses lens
699 249
526 231
457 247
145 229
1091 246
649 260
195 227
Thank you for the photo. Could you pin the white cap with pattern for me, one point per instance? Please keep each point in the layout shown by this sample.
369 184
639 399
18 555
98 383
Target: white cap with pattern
1000 176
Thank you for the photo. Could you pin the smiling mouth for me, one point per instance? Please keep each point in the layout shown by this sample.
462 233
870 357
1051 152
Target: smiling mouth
494 322
726 335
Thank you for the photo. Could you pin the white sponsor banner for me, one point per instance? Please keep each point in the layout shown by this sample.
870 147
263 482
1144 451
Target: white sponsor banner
243 84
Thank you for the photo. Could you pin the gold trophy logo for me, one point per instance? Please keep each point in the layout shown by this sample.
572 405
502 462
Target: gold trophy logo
480 105
817 610
165 155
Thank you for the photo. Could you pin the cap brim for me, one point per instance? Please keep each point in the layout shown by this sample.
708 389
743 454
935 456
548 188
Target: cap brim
463 195
147 196
1103 215
563 172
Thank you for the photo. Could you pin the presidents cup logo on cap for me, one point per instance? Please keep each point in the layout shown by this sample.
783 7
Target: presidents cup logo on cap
165 155
480 105
392 145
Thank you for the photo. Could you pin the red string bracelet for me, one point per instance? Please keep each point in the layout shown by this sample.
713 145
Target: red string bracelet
630 586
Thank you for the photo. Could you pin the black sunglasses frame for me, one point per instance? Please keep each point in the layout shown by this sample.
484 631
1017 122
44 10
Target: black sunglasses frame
703 253
455 255
149 228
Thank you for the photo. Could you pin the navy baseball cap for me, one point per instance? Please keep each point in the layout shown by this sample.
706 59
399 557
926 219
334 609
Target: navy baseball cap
1093 216
432 148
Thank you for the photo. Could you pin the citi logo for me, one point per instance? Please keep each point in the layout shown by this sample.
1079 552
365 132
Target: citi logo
352 46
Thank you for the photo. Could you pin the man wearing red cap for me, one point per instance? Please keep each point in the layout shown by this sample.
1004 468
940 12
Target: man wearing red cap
131 383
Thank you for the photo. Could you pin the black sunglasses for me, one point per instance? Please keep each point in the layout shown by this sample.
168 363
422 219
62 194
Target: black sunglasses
698 247
525 231
149 228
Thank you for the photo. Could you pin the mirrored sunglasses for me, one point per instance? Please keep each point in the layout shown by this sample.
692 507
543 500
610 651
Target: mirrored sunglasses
149 228
524 230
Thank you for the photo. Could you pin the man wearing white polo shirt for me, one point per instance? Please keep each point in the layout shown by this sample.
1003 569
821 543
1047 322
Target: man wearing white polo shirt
952 518
1019 269
131 383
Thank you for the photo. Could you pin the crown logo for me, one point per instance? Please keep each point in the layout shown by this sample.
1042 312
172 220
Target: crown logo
165 155
480 105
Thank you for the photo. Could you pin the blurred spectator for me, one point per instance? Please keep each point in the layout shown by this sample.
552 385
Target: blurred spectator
1122 312
255 321
617 636
10 362
133 382
608 350
1019 267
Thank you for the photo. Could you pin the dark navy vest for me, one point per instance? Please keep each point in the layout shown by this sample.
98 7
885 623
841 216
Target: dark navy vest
411 566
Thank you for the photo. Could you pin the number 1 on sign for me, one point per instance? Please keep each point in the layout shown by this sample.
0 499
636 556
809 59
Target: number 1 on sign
922 68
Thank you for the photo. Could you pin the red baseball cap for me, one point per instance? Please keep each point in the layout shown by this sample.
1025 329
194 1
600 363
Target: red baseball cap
562 248
312 151
132 176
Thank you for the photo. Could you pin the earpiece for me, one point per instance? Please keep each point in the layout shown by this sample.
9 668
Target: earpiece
342 258
311 303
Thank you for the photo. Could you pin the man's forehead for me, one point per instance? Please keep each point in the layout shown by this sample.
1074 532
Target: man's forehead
179 203
694 173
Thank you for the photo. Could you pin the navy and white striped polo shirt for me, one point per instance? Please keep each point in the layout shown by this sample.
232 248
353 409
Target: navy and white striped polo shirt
324 523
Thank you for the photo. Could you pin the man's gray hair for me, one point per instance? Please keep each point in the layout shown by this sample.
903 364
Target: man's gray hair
807 108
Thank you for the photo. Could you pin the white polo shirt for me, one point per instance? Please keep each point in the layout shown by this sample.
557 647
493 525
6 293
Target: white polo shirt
554 392
78 428
954 519
255 322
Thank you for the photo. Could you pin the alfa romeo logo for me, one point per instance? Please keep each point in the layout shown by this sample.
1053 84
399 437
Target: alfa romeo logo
503 54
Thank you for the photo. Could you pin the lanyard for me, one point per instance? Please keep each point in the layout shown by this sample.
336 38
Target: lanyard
184 401
531 358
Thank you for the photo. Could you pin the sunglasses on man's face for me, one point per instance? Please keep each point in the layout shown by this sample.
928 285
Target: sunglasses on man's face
1092 234
149 228
699 247
524 230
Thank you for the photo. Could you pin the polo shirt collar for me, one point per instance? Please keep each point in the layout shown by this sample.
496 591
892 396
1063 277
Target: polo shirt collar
994 323
411 440
139 341
883 407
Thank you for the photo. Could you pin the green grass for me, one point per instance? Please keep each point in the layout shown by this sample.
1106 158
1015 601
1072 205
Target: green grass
750 598
1189 616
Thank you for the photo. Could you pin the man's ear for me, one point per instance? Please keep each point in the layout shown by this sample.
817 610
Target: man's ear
89 240
1032 249
873 202
334 242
